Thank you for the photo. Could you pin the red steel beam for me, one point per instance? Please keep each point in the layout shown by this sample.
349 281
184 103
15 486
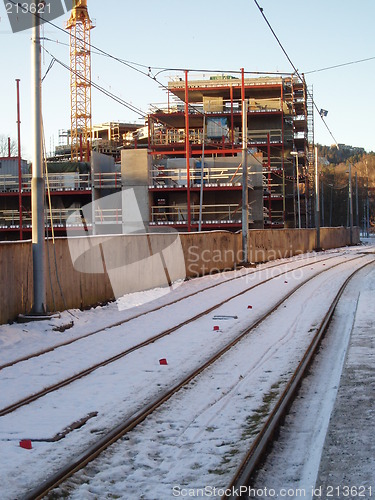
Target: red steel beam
187 149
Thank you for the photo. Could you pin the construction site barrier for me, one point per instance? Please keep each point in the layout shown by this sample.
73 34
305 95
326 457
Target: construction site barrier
106 267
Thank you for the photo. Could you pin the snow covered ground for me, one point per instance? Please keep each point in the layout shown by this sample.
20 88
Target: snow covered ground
294 462
197 438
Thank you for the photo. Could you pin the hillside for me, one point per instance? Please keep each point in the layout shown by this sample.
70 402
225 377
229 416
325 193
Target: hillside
334 172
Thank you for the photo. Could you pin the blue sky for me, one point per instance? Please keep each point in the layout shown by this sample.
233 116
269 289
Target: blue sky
204 34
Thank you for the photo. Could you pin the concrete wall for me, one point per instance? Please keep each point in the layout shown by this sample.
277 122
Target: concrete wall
85 271
135 196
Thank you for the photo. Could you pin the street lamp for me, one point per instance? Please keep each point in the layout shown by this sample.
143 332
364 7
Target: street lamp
296 154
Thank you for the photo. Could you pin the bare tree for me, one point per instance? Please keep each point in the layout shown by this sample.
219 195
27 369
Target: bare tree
4 147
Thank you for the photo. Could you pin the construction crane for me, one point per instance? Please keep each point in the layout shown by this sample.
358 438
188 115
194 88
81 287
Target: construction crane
79 26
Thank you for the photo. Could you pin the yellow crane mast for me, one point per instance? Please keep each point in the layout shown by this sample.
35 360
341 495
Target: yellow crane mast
79 26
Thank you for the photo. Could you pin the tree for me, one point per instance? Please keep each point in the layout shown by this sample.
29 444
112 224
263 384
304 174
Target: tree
4 147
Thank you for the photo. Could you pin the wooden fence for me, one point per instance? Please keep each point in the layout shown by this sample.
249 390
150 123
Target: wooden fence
87 271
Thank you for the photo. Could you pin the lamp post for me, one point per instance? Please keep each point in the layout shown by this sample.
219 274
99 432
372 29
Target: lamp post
295 154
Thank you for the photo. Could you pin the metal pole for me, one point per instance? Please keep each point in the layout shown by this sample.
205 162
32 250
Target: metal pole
187 149
350 204
317 208
37 181
364 218
367 205
298 194
19 159
368 216
330 207
294 198
322 205
245 192
295 154
284 199
356 201
306 201
202 169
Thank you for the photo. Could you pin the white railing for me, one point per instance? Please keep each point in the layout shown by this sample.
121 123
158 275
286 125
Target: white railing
108 216
211 214
212 176
11 218
219 105
67 181
165 137
109 180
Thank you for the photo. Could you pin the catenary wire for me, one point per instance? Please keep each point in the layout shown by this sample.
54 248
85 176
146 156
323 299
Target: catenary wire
101 51
339 65
295 69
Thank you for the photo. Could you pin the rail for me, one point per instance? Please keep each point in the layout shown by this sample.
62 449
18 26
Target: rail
107 180
229 213
219 105
161 176
108 216
116 433
66 181
163 136
10 219
259 449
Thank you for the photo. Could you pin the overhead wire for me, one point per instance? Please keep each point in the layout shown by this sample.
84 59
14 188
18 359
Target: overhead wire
294 68
339 65
109 94
148 74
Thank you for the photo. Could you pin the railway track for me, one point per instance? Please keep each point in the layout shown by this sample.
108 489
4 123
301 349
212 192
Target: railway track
124 321
260 448
141 415
83 373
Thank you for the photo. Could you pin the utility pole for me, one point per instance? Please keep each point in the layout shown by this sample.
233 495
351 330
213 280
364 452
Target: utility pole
202 175
367 205
245 191
350 204
37 181
187 149
368 216
330 206
19 159
322 205
295 154
317 209
356 201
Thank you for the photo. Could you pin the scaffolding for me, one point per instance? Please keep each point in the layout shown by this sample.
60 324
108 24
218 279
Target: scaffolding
206 115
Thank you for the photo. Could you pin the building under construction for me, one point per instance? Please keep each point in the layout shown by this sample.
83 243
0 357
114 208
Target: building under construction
193 170
185 162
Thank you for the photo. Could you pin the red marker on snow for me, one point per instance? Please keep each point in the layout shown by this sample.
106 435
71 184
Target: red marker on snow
163 361
26 444
216 328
